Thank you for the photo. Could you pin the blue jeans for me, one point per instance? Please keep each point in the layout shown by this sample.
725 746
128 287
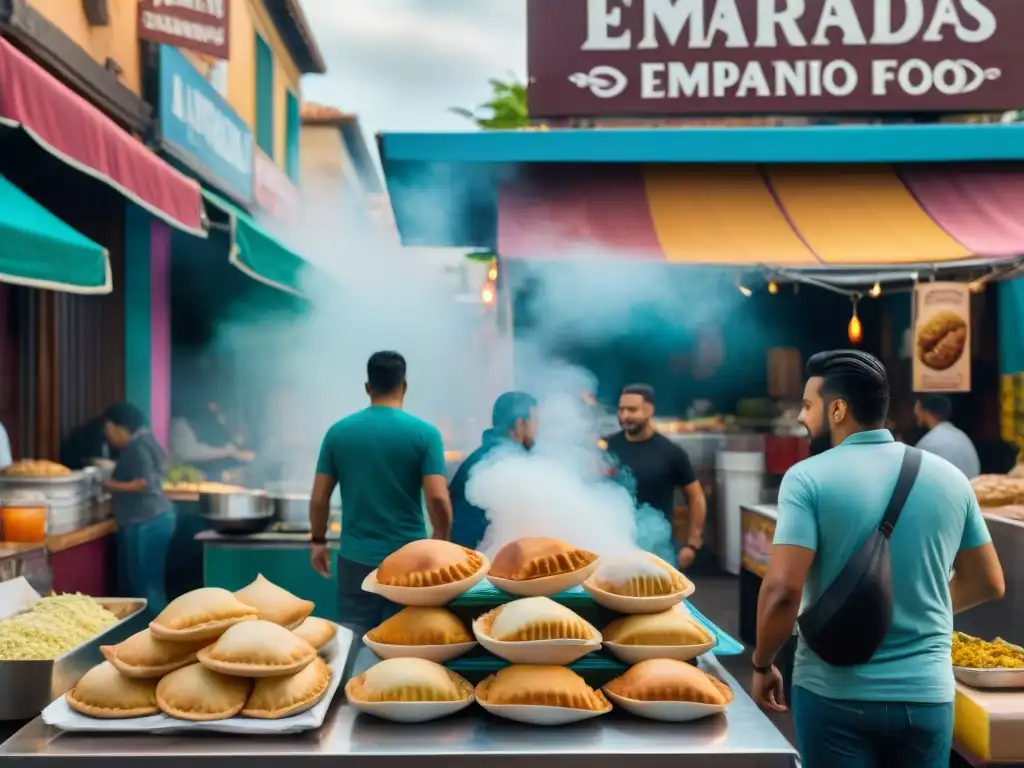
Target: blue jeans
358 610
860 734
142 559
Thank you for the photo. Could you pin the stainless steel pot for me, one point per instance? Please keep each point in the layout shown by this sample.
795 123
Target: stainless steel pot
240 513
291 509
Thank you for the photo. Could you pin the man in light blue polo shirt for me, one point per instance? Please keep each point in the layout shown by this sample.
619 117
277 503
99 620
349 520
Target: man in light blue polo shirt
896 710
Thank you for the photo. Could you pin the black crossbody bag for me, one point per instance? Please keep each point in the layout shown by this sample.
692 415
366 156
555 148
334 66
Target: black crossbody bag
850 620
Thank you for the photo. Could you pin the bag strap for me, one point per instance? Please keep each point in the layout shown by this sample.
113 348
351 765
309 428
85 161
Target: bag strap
904 482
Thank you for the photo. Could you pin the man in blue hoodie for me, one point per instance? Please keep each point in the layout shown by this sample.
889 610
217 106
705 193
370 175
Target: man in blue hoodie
513 426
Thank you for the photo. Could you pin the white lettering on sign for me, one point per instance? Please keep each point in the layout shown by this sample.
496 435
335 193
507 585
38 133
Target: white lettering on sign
213 8
217 131
808 77
187 30
666 21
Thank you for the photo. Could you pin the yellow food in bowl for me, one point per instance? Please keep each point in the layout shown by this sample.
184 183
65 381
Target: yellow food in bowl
975 653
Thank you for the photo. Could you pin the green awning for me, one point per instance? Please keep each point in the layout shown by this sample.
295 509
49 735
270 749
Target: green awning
257 253
39 250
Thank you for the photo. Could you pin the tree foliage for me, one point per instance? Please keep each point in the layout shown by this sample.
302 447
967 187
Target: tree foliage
505 110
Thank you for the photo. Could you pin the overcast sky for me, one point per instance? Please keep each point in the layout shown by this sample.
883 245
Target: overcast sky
400 64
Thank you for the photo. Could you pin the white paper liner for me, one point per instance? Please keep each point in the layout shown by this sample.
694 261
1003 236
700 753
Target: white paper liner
60 715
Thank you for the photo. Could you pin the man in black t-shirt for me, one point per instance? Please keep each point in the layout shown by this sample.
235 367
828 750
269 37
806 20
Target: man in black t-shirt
658 466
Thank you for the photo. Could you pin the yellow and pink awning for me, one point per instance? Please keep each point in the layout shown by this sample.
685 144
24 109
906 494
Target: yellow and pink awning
856 215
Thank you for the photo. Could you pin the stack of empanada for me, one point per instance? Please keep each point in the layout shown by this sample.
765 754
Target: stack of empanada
672 634
541 695
409 690
536 630
211 655
435 634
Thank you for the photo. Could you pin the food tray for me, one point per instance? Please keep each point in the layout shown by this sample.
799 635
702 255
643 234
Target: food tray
990 678
26 687
60 715
484 596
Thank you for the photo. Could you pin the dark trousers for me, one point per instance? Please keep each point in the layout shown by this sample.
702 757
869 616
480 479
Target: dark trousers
862 734
358 610
142 559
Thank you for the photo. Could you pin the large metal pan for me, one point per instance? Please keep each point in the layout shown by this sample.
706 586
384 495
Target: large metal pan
240 513
291 509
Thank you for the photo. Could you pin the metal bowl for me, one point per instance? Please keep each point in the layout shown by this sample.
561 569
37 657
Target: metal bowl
990 678
244 512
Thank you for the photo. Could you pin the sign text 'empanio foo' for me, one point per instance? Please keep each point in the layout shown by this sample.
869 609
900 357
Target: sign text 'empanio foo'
655 57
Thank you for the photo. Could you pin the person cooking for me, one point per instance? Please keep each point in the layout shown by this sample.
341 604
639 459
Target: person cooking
385 462
204 440
658 467
145 516
513 428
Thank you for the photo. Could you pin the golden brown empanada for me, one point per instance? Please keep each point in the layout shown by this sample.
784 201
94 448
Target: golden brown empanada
670 680
671 627
275 604
638 575
197 693
257 649
540 686
144 656
408 680
202 614
104 692
428 563
316 632
534 618
421 626
275 697
535 557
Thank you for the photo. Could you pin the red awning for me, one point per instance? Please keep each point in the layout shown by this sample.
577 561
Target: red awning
72 129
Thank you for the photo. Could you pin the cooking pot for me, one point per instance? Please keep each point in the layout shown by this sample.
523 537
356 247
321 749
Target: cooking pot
243 512
291 509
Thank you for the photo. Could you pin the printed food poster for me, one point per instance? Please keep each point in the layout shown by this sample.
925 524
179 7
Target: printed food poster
758 533
942 337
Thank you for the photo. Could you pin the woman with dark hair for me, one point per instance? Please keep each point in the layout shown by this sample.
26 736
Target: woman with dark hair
145 516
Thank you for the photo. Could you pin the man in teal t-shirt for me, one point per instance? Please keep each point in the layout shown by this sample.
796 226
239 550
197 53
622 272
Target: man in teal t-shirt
385 462
896 710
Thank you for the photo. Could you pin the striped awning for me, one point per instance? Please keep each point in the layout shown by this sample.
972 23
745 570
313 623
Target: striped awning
865 215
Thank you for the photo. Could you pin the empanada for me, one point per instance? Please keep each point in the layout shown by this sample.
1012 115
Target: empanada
316 632
257 649
671 627
408 680
638 575
670 680
275 604
197 693
202 614
421 626
144 656
275 697
535 557
534 618
104 692
540 686
428 563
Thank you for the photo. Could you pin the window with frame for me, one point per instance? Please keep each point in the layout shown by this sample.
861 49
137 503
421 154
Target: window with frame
264 96
293 129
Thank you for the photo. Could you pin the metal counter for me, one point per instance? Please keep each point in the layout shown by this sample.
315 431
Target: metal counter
743 738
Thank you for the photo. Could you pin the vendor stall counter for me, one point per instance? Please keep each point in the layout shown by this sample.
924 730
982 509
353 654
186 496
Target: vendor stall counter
742 738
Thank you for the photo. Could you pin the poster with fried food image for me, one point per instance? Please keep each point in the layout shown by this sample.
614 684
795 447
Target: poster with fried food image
942 337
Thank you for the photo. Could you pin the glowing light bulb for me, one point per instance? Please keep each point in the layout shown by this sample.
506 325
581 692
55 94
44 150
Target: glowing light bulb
773 288
978 286
876 291
487 294
744 290
855 331
492 273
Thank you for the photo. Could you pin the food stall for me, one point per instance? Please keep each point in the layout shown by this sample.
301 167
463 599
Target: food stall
728 732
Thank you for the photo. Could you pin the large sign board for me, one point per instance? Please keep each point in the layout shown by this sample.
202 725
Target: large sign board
646 58
202 26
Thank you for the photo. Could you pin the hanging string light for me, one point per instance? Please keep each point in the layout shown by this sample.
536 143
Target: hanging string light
773 288
743 289
492 272
487 294
876 290
855 331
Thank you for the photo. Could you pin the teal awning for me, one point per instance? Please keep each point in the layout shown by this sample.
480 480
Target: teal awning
257 253
39 250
